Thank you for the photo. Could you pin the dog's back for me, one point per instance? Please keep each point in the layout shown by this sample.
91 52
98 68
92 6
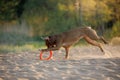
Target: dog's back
74 35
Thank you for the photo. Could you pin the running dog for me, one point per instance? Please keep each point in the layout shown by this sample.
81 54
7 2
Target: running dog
67 39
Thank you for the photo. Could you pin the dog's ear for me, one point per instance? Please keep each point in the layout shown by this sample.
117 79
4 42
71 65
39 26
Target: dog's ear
45 38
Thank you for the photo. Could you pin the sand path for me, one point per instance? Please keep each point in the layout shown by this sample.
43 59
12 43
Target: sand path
84 63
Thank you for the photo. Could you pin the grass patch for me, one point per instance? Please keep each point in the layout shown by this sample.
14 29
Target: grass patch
14 38
31 46
13 42
115 41
15 49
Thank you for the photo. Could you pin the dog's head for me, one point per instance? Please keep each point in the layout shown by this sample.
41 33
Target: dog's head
50 41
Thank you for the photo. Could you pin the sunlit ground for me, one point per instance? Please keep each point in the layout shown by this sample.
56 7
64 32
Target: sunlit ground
84 63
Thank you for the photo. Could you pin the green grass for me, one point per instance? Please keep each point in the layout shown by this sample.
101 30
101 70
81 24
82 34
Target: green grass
31 46
13 42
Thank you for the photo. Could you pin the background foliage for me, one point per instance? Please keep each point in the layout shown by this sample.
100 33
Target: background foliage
22 21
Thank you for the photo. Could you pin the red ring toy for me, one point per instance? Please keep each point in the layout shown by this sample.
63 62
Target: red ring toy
48 58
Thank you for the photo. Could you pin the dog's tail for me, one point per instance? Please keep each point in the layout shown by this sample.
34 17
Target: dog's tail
89 27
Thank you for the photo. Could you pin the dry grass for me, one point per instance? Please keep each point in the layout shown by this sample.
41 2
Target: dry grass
12 49
115 41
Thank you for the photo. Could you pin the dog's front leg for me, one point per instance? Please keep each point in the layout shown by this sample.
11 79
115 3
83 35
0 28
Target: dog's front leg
67 55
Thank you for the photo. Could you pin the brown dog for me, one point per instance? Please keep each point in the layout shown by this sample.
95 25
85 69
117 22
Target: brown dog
67 39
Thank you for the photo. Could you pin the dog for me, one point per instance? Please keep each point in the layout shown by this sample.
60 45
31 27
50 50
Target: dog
67 39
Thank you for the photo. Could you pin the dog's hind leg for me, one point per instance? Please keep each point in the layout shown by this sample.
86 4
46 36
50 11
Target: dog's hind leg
93 42
102 38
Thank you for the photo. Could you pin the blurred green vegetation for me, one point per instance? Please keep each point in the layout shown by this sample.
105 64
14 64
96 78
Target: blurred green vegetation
23 22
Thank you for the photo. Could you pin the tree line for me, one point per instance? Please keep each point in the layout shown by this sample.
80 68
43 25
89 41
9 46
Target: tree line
46 17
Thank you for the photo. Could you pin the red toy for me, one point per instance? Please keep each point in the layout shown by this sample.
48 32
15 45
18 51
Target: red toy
48 58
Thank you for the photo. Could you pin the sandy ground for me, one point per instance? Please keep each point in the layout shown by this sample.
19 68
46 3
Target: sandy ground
84 63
